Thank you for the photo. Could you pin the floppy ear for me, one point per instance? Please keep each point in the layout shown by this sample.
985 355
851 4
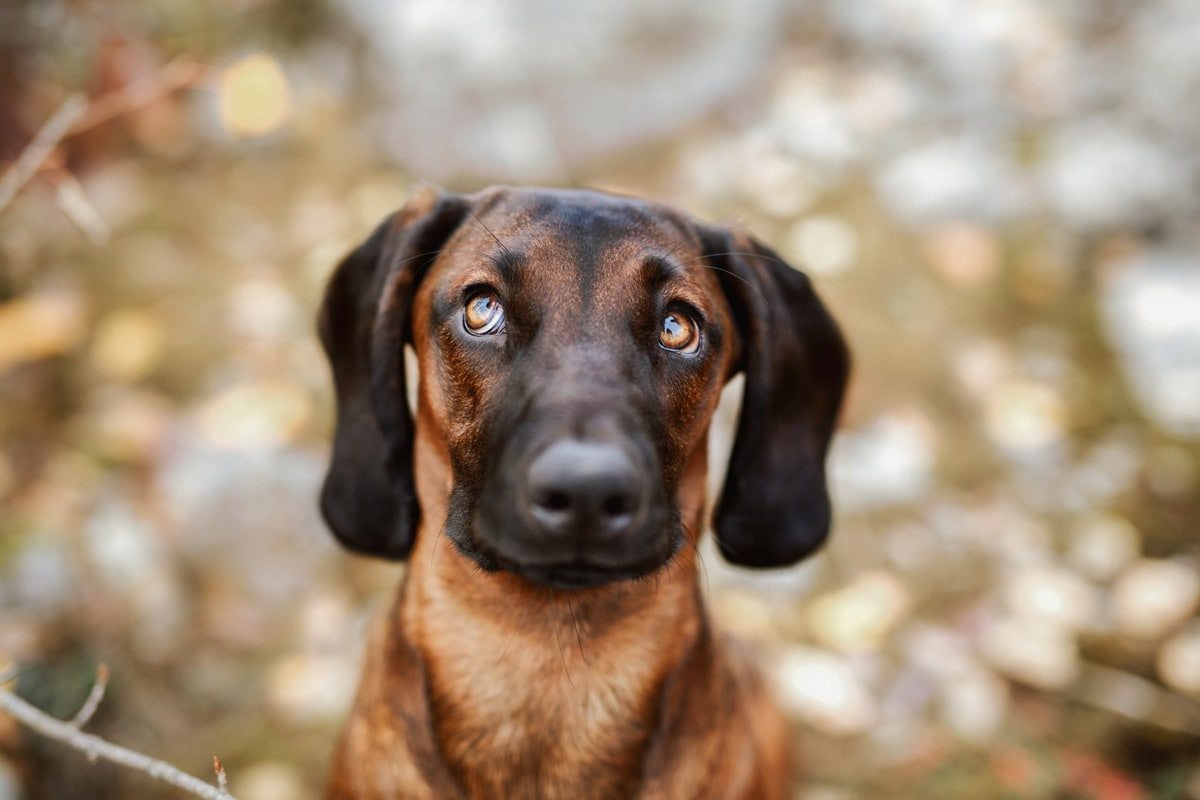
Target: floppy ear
368 498
774 509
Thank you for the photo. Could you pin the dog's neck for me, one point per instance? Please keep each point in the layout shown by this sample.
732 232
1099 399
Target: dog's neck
534 686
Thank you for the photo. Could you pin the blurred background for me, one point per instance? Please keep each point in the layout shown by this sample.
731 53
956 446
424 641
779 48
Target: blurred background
997 198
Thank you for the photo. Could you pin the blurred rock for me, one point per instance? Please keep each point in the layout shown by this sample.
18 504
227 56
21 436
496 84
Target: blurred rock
1022 416
953 179
859 616
124 425
502 117
260 414
974 705
123 548
1100 174
1101 545
263 308
980 365
241 510
965 254
811 120
327 621
1032 651
270 780
305 688
40 579
939 651
822 690
1179 661
134 562
40 325
824 245
745 614
1052 595
887 462
253 96
127 344
1149 310
757 169
1153 596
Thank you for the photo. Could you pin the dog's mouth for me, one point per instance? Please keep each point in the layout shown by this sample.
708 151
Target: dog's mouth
579 575
570 574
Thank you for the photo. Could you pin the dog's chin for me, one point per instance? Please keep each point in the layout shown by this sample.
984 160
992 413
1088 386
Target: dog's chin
573 574
576 575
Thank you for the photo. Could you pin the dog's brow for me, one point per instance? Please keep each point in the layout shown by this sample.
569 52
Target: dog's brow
507 263
658 270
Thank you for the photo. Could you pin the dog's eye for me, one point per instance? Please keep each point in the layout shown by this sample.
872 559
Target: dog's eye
483 314
679 333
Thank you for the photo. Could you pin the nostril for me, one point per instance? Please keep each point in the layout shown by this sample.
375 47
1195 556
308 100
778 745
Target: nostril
583 488
616 505
553 500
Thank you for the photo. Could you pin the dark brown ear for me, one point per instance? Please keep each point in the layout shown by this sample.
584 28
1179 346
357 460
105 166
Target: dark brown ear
774 509
368 498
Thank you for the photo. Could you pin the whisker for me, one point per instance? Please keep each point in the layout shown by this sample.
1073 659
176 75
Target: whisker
561 656
578 638
724 545
508 253
730 272
507 644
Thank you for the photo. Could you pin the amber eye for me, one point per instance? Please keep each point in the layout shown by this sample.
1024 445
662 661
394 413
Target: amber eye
679 332
483 314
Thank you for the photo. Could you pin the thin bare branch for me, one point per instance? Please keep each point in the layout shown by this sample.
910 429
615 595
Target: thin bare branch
94 747
76 115
40 149
139 93
74 203
219 768
88 710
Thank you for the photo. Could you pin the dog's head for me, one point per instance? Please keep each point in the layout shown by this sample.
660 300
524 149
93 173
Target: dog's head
572 348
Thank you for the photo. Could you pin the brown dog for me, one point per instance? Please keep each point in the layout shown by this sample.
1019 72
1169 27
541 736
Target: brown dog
550 639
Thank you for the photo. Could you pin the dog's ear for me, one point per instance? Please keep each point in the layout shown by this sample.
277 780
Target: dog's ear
368 498
774 509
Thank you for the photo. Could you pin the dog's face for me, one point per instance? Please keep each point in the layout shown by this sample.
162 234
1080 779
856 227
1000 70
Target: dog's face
572 348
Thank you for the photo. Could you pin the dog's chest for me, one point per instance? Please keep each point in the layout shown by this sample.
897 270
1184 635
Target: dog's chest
545 716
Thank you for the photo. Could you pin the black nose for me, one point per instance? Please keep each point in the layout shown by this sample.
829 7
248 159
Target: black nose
585 488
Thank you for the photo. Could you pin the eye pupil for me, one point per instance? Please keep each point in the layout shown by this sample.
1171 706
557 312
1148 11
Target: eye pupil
679 333
483 315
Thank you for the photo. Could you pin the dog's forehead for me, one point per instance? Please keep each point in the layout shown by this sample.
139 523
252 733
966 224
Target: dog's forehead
583 229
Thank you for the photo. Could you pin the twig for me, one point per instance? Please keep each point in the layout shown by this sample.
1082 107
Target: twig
85 714
94 747
77 115
219 768
74 203
1133 697
138 93
43 145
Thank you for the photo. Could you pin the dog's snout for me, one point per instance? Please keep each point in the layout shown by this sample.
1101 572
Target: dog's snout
580 488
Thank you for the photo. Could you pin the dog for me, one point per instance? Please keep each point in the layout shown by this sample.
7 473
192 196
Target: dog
550 638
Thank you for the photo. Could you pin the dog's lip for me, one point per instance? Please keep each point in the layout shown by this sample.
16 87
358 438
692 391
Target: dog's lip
577 571
573 575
